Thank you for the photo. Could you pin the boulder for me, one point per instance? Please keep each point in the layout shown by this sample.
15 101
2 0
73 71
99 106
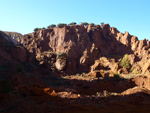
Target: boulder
60 64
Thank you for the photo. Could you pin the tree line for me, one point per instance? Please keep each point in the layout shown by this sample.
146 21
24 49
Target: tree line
59 25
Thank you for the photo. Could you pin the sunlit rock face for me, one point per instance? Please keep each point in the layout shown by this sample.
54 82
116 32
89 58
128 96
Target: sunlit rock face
12 37
85 44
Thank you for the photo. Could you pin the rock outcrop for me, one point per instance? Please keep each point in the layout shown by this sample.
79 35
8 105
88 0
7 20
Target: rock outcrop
85 44
12 37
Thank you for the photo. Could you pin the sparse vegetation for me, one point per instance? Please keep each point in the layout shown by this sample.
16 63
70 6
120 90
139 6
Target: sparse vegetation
61 25
62 55
102 23
51 26
134 71
116 75
125 62
92 24
73 23
84 23
37 29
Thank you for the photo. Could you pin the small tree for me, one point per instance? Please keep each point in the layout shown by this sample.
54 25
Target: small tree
51 26
102 23
39 29
92 24
61 55
125 62
84 23
36 29
134 71
43 28
61 25
73 23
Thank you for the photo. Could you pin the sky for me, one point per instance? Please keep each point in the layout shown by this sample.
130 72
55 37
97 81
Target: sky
126 15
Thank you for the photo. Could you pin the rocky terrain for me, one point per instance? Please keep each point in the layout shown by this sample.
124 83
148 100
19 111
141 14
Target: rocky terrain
12 37
75 68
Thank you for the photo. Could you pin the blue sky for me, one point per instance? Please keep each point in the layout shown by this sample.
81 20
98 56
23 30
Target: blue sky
126 15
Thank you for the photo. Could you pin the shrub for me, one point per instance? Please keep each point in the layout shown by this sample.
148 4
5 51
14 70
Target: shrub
61 25
61 55
84 23
125 62
134 71
51 26
37 29
102 23
43 28
73 23
116 75
92 24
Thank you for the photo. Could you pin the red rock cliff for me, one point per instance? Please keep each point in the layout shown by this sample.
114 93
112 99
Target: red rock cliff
85 44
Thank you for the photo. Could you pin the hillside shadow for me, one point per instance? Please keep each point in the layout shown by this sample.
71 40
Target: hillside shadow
105 103
85 87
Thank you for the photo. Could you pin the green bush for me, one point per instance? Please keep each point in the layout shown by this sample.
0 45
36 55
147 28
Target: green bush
84 23
134 71
43 28
37 29
73 23
92 24
61 55
125 62
116 75
61 25
51 26
102 23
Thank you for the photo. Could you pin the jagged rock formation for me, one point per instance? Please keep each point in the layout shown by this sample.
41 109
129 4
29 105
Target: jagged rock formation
85 44
12 37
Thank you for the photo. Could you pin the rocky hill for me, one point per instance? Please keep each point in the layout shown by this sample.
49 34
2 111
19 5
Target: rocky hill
74 68
12 37
85 44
